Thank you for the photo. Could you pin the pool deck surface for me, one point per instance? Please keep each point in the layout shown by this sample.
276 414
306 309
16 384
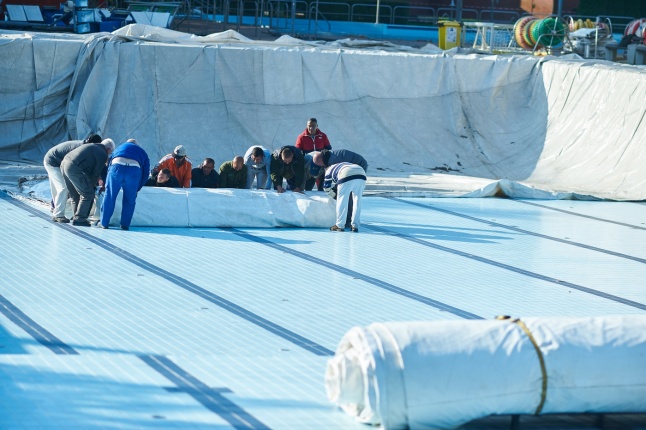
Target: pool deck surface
210 328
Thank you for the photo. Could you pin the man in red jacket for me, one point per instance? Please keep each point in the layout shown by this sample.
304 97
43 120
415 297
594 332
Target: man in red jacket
312 139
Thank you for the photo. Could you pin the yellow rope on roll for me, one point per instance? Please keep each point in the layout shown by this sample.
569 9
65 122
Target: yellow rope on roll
540 358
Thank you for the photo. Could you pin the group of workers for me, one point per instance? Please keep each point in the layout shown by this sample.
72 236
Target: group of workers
75 169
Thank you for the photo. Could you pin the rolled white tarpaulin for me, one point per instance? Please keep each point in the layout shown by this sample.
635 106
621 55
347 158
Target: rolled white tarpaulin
442 374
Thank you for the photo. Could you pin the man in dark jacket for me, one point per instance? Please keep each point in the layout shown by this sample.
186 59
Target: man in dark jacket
52 162
288 163
81 169
205 175
128 171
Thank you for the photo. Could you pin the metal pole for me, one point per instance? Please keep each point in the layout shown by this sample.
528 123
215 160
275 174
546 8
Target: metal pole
559 11
377 14
225 6
239 17
294 18
458 10
316 18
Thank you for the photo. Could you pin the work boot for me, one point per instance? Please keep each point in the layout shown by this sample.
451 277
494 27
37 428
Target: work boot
354 229
83 222
60 219
125 227
335 228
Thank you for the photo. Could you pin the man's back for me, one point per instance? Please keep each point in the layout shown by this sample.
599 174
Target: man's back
90 158
134 152
54 157
345 155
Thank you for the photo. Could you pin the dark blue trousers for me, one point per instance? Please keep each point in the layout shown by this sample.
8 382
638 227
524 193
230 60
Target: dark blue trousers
120 177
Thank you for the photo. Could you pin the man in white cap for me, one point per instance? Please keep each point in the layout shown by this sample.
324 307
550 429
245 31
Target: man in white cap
179 164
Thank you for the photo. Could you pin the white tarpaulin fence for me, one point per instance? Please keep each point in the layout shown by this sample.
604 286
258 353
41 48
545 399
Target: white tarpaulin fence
442 374
564 126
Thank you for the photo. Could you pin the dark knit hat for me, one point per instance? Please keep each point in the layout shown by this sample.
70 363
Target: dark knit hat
93 138
326 157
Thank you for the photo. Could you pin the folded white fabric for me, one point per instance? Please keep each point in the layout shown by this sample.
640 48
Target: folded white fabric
438 375
228 207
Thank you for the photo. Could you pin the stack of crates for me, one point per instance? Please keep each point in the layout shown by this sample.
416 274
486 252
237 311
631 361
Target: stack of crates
83 16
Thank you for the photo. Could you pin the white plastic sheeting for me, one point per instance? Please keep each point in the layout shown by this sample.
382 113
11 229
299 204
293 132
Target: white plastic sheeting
438 375
563 127
201 207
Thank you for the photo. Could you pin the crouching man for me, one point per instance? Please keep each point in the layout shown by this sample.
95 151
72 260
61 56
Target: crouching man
345 183
81 169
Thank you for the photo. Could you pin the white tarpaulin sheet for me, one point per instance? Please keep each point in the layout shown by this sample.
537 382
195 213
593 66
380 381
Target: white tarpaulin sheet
564 127
201 207
442 374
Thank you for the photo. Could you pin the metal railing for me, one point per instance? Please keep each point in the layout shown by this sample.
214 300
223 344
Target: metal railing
448 13
367 13
288 11
426 15
499 16
331 10
489 37
316 13
284 13
364 12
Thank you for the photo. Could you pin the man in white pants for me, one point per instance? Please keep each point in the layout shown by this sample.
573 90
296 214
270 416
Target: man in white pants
345 182
52 162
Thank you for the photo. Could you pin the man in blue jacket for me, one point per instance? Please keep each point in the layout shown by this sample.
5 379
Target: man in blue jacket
128 169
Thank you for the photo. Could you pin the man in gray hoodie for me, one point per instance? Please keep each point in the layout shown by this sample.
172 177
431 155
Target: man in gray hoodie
52 163
81 169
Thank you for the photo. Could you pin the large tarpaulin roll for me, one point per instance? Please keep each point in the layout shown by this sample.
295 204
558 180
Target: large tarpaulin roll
227 207
438 375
